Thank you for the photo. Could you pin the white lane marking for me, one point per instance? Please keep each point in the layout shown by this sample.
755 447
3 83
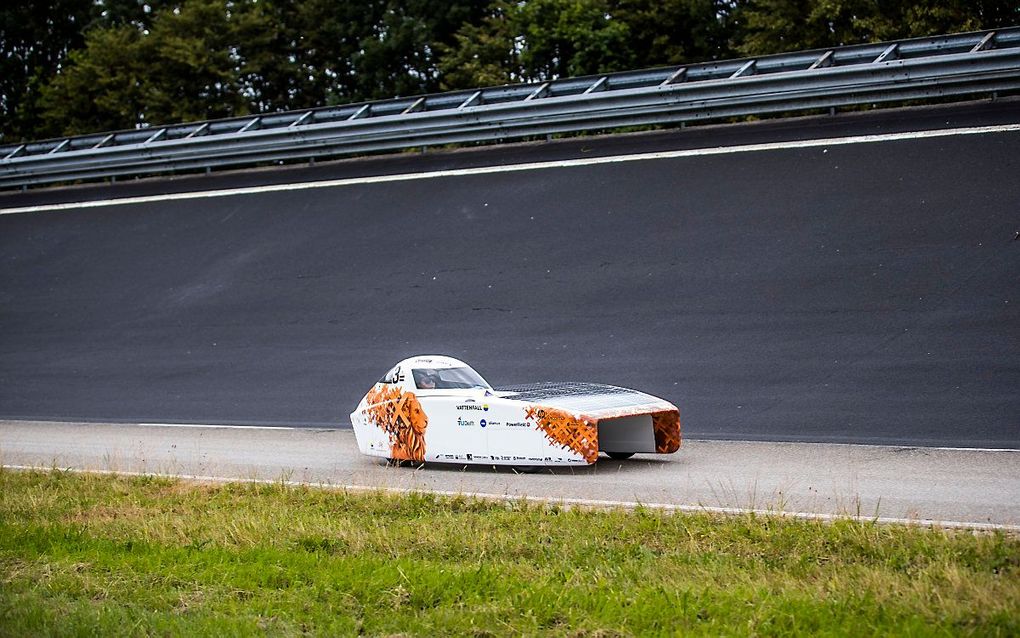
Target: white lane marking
887 446
511 168
214 426
550 500
952 449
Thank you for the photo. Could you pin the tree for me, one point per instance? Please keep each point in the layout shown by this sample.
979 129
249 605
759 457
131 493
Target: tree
75 66
545 39
399 56
195 65
903 19
482 54
562 38
112 13
101 88
327 38
671 32
537 40
774 26
35 38
183 68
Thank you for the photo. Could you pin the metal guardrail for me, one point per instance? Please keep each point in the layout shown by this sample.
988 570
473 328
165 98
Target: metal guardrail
957 64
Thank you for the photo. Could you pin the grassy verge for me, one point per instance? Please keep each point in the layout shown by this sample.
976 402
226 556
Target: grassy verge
89 554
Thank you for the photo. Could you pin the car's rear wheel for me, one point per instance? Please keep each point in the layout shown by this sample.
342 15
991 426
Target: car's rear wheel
620 456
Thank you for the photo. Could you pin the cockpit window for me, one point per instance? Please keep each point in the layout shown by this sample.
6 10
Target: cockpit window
448 379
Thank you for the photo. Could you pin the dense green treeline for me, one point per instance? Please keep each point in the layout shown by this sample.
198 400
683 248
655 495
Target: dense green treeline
76 66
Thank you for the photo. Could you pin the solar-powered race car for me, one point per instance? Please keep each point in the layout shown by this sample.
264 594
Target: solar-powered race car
436 408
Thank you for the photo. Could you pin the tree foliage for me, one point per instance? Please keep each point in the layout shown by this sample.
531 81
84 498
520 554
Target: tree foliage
773 26
547 39
667 32
181 68
35 37
75 66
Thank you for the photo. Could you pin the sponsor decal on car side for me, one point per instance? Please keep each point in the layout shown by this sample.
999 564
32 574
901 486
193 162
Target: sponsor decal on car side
401 417
571 432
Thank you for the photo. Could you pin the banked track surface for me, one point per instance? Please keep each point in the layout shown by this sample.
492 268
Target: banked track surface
857 293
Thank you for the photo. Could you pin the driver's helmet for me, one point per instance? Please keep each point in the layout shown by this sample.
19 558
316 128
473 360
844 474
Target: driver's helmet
423 378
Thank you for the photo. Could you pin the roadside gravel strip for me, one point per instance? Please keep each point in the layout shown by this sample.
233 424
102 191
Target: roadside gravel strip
949 486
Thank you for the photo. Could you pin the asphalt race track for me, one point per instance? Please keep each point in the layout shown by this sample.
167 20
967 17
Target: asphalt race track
860 293
958 488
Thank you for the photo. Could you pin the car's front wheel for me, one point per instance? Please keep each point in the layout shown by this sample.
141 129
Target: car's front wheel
526 469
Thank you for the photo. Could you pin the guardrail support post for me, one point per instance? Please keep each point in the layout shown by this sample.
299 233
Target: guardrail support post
600 85
678 76
889 53
747 69
360 113
474 99
824 61
417 105
254 123
538 93
15 152
103 142
986 42
60 147
155 136
201 130
301 120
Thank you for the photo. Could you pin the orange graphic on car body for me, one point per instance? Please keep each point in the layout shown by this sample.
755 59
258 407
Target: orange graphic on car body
666 426
566 430
400 415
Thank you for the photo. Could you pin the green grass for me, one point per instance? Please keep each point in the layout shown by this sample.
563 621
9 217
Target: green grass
89 554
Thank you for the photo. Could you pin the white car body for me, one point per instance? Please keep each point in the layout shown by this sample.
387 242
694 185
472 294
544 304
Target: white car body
464 420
